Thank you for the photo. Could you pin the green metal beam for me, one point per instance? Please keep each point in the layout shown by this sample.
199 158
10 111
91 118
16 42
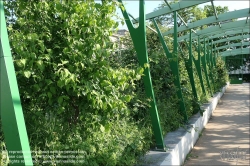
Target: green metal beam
215 12
13 124
222 17
189 66
198 66
138 36
239 30
230 39
175 70
173 61
232 45
216 29
204 65
211 66
235 52
173 7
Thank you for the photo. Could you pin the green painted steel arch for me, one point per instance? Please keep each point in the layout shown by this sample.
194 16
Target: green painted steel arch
174 7
235 52
216 29
232 45
230 32
230 39
222 17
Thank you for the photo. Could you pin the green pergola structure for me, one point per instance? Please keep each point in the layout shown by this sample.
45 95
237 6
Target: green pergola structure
12 119
204 41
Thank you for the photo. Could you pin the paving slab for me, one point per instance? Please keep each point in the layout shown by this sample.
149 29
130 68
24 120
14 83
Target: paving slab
225 139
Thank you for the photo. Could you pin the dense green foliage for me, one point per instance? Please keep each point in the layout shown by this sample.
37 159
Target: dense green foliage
78 95
162 79
75 100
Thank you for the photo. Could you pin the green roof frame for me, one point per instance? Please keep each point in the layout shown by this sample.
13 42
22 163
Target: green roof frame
173 7
232 45
216 29
234 52
231 32
222 17
230 39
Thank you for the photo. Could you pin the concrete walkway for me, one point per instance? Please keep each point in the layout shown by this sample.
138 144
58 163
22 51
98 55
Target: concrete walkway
225 139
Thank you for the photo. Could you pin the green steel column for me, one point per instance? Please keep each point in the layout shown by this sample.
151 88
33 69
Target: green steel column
204 64
138 36
175 69
214 59
190 67
173 61
13 125
211 68
241 68
198 67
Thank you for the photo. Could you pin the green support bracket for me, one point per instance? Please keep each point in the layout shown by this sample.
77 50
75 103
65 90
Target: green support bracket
173 61
189 67
210 66
204 64
213 63
215 58
198 66
13 124
138 36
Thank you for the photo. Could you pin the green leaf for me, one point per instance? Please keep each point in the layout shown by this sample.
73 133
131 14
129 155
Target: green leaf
60 99
102 128
127 98
53 90
49 94
40 65
107 127
97 46
23 61
146 65
60 83
106 83
138 77
27 74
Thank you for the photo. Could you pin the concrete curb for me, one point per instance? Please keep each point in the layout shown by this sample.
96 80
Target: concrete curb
180 142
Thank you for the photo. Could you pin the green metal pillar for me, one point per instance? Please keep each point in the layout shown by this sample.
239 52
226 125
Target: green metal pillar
175 69
138 36
173 61
13 125
198 67
210 64
189 67
204 64
190 73
215 58
241 67
213 61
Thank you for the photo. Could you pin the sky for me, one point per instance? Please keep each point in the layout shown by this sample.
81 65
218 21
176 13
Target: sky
133 6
